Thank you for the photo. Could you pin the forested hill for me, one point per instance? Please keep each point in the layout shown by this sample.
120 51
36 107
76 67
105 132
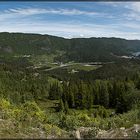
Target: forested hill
76 49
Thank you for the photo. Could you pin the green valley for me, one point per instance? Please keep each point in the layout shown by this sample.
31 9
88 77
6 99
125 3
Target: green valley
52 87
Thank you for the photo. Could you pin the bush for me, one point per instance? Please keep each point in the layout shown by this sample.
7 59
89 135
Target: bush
69 122
16 113
30 107
32 113
4 104
5 108
54 131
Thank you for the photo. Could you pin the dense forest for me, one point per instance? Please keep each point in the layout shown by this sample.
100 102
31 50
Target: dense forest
77 49
48 100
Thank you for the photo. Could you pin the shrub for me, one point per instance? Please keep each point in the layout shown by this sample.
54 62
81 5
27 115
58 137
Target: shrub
69 122
32 113
54 131
4 104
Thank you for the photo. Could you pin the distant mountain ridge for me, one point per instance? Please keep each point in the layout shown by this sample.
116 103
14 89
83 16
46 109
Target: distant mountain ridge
75 49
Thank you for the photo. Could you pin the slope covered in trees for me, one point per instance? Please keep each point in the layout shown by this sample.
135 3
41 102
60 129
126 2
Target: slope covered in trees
56 108
78 49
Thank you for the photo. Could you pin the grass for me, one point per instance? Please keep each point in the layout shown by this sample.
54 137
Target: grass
42 59
52 80
45 59
47 105
82 67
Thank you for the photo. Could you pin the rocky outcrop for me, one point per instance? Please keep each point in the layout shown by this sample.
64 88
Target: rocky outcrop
92 132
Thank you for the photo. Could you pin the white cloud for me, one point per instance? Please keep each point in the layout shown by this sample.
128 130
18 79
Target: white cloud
130 10
133 11
15 20
135 6
113 4
68 30
35 11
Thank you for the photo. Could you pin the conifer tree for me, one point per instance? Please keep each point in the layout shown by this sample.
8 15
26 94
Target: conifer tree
61 105
66 106
104 95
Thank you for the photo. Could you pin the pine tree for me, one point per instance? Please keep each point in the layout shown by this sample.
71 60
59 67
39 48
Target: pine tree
61 105
66 106
54 92
96 89
104 95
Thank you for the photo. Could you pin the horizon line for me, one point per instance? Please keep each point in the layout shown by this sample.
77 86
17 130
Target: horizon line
32 33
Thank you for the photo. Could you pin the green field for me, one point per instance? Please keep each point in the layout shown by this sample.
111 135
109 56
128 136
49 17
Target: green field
83 67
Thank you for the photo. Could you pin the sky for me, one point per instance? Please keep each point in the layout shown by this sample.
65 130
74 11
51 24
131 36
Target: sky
72 19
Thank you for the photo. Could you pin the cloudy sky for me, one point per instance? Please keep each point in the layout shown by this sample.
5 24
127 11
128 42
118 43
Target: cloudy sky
72 19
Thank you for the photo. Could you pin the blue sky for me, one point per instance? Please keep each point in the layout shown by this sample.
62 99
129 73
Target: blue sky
72 19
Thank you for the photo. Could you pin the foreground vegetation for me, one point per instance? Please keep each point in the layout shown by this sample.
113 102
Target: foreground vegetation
28 120
34 104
